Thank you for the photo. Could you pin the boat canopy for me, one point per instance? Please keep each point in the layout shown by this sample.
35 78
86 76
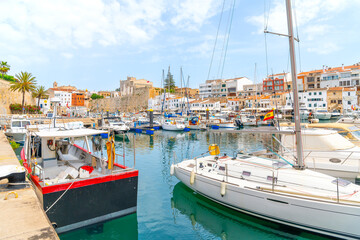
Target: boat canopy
69 133
320 140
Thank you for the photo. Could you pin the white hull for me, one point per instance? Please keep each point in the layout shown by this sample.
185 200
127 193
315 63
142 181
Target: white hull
227 125
16 136
322 116
173 127
197 127
317 216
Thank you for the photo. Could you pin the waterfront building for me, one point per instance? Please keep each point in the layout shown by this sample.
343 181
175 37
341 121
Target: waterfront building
276 82
64 97
78 99
233 104
310 79
191 93
262 101
312 99
252 90
223 87
105 94
201 105
345 76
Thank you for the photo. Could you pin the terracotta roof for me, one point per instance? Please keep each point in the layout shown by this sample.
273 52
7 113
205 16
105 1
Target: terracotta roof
336 88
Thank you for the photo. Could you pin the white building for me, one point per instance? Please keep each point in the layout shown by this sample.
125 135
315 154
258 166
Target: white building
349 99
233 104
223 87
65 98
340 77
311 99
170 103
201 105
44 105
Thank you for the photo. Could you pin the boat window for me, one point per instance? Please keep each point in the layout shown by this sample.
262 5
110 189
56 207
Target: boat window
221 168
244 157
270 178
209 164
246 173
279 164
16 124
342 182
25 123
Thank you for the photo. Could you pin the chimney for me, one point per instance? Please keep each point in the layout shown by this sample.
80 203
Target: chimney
343 68
323 68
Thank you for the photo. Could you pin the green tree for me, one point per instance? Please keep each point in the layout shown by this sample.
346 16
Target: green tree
40 93
169 82
25 82
4 67
96 96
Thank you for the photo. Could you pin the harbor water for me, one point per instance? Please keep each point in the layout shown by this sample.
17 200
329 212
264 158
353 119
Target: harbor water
167 209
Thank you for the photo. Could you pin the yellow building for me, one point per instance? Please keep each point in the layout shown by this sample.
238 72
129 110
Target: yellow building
105 94
334 99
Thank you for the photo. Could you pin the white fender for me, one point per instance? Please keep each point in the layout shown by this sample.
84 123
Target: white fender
223 188
192 177
172 169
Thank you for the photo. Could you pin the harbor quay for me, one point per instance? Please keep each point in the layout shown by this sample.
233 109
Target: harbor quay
23 217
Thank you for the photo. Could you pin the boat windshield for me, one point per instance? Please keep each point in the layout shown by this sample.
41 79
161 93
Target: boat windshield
355 131
25 123
16 124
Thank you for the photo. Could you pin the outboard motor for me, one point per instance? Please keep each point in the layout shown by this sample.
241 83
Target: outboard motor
13 173
238 123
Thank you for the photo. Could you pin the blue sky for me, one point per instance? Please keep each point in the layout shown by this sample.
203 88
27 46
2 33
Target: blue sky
92 44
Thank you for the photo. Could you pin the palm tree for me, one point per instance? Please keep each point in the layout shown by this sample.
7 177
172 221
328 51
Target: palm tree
25 82
40 93
4 67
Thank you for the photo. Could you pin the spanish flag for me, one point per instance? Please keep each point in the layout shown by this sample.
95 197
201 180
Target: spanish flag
269 115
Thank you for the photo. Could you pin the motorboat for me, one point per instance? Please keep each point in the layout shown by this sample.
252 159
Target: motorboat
194 123
335 114
276 191
304 113
173 125
115 124
17 130
349 120
76 185
322 114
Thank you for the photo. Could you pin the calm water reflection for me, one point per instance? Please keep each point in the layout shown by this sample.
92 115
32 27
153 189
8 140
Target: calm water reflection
168 209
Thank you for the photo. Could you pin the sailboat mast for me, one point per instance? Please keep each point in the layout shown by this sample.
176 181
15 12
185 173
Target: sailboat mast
299 147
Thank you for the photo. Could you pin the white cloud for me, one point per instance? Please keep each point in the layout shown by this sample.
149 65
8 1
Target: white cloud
324 48
315 19
305 12
37 27
67 55
191 15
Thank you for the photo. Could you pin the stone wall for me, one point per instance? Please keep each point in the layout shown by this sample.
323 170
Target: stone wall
132 103
7 97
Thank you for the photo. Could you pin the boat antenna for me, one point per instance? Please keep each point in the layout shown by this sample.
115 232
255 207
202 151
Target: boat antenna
299 147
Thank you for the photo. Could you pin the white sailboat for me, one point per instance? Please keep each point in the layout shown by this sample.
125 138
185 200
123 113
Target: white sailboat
274 190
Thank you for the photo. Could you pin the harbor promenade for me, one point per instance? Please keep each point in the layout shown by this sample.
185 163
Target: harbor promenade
22 217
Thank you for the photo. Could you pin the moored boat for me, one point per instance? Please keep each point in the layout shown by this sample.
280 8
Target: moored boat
76 186
172 125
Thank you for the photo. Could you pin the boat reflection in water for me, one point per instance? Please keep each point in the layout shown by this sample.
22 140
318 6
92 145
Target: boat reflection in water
227 224
120 228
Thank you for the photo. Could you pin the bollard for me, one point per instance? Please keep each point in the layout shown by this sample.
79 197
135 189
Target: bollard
151 117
